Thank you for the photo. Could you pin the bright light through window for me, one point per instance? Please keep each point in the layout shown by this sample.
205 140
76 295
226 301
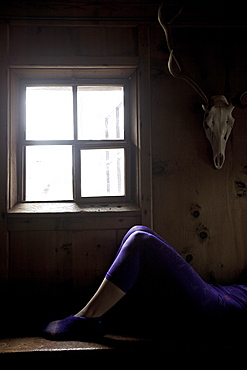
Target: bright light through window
102 172
56 134
49 113
100 112
49 172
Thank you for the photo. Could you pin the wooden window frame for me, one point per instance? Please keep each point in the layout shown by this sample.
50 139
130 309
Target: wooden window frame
19 78
78 144
137 69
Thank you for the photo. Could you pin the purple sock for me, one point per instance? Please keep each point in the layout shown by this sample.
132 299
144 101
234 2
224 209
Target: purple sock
74 328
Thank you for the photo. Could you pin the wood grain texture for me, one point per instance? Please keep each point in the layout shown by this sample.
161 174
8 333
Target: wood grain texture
54 258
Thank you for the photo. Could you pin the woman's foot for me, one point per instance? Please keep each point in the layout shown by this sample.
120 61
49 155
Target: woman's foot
74 328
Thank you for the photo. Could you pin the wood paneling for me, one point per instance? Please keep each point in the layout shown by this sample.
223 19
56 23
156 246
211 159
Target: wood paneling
201 211
42 40
54 273
3 160
197 209
43 258
58 255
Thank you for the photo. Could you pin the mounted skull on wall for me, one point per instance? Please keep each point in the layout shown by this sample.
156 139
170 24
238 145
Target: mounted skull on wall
218 123
218 120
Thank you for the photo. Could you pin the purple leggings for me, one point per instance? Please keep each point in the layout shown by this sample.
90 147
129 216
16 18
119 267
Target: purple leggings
142 245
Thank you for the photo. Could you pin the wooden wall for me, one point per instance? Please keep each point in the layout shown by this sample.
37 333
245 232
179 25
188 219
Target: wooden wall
54 265
198 209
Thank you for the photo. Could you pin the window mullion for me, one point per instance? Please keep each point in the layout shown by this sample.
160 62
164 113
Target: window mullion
102 144
76 172
76 150
22 185
75 112
48 142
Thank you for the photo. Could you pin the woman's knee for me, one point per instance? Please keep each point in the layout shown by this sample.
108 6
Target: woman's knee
138 228
136 239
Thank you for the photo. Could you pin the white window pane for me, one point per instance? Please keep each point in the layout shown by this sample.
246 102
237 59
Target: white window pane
49 113
100 112
49 173
102 172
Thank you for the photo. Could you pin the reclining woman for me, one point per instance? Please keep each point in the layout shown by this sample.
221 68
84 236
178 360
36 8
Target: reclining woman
141 246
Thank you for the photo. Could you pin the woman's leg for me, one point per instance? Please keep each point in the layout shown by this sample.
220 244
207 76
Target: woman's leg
141 246
108 293
105 298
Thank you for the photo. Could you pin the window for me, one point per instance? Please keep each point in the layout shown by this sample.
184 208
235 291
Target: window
60 157
75 142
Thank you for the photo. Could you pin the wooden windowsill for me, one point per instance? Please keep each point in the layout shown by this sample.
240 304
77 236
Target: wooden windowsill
72 216
50 208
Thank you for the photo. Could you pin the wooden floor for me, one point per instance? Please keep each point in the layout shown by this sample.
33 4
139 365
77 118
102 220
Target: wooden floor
38 344
116 351
123 350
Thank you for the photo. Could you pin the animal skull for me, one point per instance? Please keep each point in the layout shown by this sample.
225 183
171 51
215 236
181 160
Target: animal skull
218 123
218 120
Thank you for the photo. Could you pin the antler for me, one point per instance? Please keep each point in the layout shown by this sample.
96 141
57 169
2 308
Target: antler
238 99
173 60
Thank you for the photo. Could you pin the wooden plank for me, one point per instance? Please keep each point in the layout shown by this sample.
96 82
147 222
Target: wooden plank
39 208
3 161
72 216
87 67
80 11
45 261
55 41
199 210
93 253
145 138
194 14
73 223
14 136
